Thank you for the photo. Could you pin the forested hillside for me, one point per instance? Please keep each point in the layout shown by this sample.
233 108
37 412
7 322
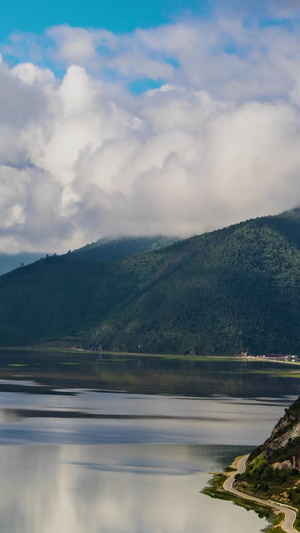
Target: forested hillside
106 250
219 293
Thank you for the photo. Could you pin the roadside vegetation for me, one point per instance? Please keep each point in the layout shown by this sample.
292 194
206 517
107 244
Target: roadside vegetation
267 482
280 485
216 490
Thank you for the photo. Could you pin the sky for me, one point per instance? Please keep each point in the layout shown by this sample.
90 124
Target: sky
114 15
138 118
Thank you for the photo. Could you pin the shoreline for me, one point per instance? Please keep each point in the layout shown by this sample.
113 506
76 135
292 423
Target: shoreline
74 350
222 486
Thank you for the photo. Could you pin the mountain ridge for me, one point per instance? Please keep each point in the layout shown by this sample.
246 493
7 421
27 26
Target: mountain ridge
108 249
234 289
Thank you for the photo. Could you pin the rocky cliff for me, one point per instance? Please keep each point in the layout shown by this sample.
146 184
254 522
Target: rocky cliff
273 469
282 449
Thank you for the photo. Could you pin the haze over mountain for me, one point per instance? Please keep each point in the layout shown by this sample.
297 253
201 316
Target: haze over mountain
10 262
106 250
101 251
218 293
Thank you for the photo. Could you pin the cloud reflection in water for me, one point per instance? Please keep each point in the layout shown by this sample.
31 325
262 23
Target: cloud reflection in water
93 489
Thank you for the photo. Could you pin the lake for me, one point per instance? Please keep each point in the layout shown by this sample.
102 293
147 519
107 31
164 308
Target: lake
77 457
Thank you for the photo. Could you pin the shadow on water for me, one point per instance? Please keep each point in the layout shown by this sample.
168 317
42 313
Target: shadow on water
59 373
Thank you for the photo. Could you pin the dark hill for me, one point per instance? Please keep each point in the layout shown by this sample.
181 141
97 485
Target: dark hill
219 293
10 262
106 250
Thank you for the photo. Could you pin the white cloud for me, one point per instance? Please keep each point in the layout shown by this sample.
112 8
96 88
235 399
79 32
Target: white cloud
32 74
75 45
81 156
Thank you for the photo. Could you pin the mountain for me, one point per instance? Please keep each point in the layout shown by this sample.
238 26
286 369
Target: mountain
10 262
273 469
230 290
63 295
106 250
219 293
103 251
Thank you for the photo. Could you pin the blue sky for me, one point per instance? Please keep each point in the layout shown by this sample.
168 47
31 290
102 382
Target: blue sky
125 16
115 15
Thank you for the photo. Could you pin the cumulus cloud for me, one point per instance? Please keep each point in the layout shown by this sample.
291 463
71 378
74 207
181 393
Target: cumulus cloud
82 156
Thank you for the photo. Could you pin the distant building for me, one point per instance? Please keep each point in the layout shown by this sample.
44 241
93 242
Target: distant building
282 357
271 356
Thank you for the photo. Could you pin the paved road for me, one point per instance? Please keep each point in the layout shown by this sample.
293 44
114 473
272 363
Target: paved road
290 515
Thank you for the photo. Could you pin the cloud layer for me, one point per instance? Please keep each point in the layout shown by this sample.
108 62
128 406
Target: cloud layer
83 155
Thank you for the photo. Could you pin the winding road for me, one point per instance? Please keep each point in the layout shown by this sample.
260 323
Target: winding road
289 514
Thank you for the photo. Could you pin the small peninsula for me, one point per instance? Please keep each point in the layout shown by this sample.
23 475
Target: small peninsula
269 478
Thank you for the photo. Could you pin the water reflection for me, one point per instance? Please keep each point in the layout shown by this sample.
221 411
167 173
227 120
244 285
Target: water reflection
109 418
120 489
52 371
131 485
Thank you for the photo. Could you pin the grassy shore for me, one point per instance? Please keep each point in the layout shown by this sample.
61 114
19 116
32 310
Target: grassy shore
74 350
216 490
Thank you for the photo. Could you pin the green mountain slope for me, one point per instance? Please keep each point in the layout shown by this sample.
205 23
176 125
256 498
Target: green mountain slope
218 293
221 292
106 250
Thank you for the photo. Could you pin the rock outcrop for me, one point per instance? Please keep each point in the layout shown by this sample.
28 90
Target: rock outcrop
272 470
282 449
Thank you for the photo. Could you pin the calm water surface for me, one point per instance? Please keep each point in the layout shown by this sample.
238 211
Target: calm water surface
128 489
75 458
